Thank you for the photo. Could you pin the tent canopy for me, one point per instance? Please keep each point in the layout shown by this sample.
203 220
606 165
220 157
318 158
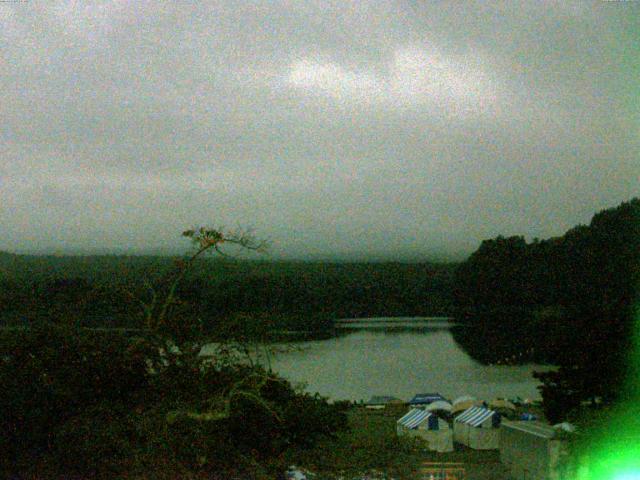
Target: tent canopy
417 417
464 398
465 405
439 405
425 398
565 427
476 416
502 403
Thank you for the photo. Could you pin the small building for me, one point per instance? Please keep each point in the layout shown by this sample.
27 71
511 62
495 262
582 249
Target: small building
425 399
532 450
379 402
427 426
478 428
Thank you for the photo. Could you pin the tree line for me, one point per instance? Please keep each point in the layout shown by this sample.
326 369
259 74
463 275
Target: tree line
567 300
99 291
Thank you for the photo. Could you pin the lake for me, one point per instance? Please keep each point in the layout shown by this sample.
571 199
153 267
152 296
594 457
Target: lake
399 357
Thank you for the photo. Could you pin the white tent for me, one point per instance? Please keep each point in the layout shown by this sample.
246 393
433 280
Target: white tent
501 403
464 402
464 398
427 426
478 428
439 405
504 407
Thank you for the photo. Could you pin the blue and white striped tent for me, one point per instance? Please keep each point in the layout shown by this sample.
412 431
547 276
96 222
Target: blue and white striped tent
477 416
417 417
427 426
477 427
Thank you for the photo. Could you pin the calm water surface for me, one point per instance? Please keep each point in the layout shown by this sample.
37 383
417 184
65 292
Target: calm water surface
399 357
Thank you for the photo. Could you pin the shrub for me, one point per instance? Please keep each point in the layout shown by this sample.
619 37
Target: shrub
87 404
49 374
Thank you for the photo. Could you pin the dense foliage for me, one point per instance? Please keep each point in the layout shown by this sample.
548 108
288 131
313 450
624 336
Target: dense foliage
566 300
100 291
95 403
80 403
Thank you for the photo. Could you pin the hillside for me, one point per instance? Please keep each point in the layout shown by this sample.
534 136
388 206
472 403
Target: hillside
34 285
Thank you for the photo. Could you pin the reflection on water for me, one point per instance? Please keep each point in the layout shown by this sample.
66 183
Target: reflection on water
406 357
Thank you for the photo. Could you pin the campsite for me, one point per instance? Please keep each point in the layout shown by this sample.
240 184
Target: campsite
382 433
372 447
414 445
319 240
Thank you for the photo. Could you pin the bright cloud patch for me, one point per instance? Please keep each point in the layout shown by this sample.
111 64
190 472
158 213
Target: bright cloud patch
419 73
333 80
412 76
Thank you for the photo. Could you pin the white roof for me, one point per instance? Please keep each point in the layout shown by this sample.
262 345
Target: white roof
533 428
565 426
464 398
439 405
414 418
475 416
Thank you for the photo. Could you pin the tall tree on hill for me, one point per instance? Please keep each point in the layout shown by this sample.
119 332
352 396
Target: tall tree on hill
161 307
600 291
570 299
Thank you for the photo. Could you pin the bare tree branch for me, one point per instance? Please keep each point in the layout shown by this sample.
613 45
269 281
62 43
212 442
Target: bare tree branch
204 240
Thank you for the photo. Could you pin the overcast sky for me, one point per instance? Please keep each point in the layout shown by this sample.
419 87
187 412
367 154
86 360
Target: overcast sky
400 129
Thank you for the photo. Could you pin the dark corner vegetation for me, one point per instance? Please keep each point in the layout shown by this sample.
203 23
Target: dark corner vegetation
101 405
79 403
567 301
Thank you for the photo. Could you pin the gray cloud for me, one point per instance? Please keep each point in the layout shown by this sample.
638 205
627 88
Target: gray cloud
399 129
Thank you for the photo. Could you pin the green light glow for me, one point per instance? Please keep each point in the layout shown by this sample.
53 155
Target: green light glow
613 451
628 476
